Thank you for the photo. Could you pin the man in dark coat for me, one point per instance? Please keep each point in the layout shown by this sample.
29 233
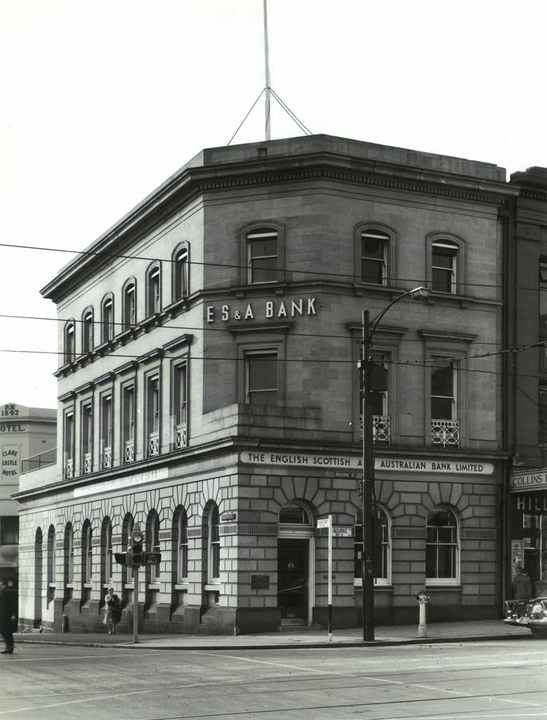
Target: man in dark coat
8 615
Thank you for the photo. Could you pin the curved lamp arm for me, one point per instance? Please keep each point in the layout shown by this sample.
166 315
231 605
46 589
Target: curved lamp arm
419 291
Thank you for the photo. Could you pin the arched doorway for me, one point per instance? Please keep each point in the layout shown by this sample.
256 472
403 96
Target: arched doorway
295 566
38 566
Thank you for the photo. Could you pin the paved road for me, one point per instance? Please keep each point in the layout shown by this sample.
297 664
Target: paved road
468 681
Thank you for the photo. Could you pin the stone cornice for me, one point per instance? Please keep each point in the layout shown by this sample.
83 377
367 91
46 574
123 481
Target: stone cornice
193 182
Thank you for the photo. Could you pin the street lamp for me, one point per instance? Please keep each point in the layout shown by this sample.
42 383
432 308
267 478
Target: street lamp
367 495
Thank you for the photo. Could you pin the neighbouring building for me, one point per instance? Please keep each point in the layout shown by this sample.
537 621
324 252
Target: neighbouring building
526 283
209 390
24 432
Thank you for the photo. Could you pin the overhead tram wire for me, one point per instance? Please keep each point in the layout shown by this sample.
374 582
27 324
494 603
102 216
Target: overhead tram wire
207 328
234 266
317 361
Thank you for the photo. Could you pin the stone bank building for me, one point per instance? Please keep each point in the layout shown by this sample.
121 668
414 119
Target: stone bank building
209 391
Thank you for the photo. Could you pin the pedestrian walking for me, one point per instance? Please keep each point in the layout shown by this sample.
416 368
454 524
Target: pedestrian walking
112 611
8 615
522 585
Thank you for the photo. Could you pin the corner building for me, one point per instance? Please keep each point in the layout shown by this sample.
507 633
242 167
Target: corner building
210 392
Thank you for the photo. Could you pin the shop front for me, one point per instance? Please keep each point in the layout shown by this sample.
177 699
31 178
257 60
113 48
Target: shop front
528 523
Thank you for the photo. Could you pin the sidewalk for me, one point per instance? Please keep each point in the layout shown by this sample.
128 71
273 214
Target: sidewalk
385 636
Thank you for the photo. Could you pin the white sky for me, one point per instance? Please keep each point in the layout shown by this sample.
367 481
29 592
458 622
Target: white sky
101 100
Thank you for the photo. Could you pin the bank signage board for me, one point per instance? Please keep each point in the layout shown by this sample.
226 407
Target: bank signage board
278 309
353 462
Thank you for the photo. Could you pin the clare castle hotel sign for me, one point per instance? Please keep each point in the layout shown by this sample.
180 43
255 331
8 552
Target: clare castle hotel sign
263 310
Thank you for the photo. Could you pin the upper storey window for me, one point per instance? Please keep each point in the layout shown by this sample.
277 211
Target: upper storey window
374 250
181 272
262 256
70 342
444 261
543 299
107 319
129 299
87 330
261 378
153 290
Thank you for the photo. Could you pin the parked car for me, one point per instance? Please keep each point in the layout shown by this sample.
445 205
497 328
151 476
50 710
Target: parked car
530 613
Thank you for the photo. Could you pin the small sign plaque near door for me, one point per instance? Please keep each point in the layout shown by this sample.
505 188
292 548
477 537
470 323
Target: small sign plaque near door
260 582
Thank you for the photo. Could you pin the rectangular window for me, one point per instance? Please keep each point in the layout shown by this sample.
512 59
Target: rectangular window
180 405
9 530
87 332
153 415
443 267
543 300
262 257
261 380
443 389
106 431
87 438
128 423
382 555
68 445
182 548
373 257
378 397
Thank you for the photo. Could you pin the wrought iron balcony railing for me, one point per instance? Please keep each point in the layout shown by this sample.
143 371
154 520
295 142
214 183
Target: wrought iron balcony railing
88 463
381 429
129 451
181 437
107 458
153 444
445 433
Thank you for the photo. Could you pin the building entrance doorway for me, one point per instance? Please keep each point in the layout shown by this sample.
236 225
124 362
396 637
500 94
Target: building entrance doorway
292 584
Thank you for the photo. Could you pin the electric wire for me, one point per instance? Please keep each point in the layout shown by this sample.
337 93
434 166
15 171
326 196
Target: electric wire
234 266
289 112
246 116
208 328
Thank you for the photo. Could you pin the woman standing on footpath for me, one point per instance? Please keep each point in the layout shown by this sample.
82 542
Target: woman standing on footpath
112 611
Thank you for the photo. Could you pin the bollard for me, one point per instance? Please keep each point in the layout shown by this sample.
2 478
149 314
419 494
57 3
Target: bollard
423 598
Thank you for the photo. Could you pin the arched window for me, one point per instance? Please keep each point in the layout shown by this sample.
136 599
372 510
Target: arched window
181 544
68 555
382 555
129 304
127 529
107 318
70 342
181 272
153 544
88 330
153 289
213 543
106 552
263 264
87 553
293 514
442 550
51 562
444 262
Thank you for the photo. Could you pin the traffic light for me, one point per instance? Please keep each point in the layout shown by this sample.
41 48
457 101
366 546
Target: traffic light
137 539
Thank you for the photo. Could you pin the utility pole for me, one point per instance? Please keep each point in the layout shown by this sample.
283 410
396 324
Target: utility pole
368 508
367 490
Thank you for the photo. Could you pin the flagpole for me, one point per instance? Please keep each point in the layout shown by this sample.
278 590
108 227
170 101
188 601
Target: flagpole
267 73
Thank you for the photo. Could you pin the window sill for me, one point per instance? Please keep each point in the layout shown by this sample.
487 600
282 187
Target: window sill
153 586
442 583
183 586
212 586
384 584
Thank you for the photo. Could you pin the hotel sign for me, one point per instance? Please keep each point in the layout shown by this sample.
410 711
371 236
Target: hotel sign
10 461
529 481
352 462
263 310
